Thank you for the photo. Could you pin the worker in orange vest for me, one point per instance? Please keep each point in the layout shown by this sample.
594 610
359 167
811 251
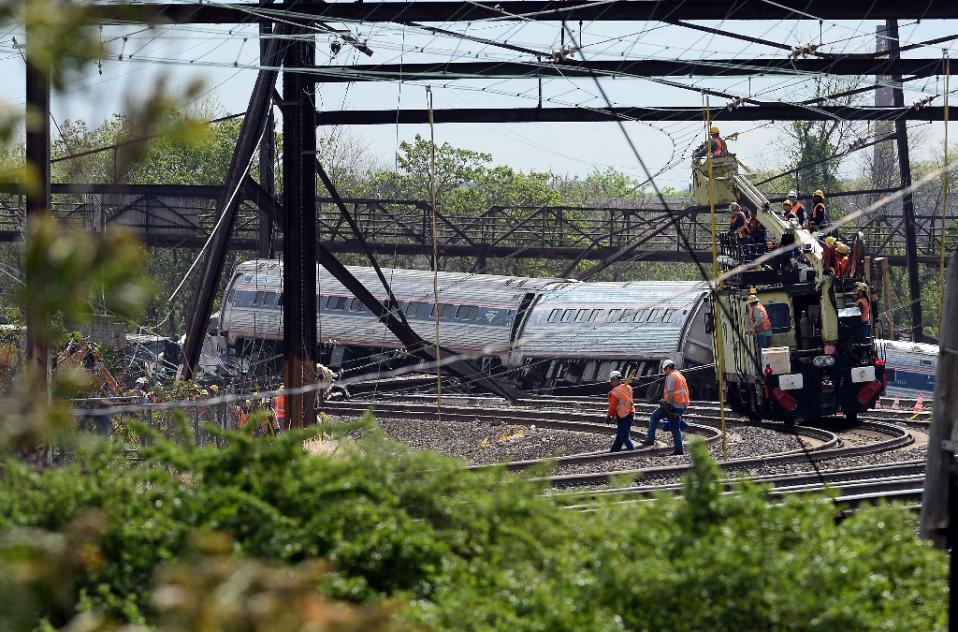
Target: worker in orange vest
819 218
761 325
718 145
865 306
797 207
621 410
828 253
675 401
738 218
787 211
841 260
279 408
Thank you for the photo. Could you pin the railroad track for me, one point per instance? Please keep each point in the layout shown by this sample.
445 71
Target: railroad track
703 425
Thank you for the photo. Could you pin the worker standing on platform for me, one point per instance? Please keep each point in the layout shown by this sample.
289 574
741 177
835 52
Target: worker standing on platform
865 306
738 218
718 145
788 211
675 401
841 260
828 253
761 325
621 410
797 207
819 218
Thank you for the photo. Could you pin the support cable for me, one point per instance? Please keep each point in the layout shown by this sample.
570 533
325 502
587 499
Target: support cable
435 250
944 184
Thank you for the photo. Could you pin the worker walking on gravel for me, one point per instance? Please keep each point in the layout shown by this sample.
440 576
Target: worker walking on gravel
621 410
675 401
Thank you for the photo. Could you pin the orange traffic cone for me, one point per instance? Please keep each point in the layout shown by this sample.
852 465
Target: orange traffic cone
896 405
920 404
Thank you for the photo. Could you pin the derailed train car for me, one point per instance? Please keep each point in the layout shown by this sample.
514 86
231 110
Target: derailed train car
546 335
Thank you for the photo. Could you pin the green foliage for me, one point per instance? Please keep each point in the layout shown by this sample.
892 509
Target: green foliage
465 550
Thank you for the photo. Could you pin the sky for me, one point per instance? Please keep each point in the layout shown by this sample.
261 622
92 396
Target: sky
225 58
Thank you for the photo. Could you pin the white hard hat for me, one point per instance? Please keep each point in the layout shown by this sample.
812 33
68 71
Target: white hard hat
667 364
615 375
792 194
141 380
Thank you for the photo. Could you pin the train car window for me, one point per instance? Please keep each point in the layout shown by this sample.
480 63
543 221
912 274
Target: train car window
445 310
260 298
279 301
554 315
640 315
272 299
582 316
655 315
595 315
613 315
781 319
627 315
667 316
355 305
340 303
568 315
926 362
467 312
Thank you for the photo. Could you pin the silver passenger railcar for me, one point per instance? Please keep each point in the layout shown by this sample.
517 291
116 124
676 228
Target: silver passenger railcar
576 334
478 313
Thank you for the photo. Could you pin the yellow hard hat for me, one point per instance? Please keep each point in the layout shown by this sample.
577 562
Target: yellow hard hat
214 388
861 287
842 249
205 393
819 193
786 202
713 130
830 240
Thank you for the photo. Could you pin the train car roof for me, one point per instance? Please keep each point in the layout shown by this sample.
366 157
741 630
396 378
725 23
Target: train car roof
657 314
410 285
906 346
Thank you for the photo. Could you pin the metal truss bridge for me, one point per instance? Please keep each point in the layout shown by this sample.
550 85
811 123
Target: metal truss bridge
181 216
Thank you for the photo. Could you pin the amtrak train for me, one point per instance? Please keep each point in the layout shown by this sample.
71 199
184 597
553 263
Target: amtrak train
546 335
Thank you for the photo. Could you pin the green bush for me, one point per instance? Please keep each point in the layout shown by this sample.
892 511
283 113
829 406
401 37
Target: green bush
470 550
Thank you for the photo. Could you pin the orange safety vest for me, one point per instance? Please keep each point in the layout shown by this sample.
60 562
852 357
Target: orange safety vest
819 214
718 146
799 211
279 405
828 256
676 389
620 401
738 220
866 306
841 266
766 323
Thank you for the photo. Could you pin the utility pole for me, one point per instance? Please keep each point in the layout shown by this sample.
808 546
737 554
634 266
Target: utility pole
907 201
267 154
299 237
38 191
939 503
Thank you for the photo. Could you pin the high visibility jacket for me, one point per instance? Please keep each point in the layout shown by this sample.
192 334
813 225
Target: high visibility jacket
799 211
828 256
758 315
841 266
820 215
279 406
866 307
620 401
718 146
676 389
787 215
738 220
